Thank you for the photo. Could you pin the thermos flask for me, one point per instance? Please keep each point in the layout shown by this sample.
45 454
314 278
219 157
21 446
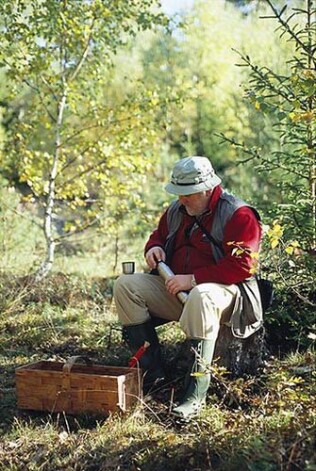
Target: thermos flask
165 272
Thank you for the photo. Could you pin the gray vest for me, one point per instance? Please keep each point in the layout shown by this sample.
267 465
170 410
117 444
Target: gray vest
247 314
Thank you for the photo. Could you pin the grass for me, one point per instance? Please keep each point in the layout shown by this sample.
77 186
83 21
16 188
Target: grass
264 422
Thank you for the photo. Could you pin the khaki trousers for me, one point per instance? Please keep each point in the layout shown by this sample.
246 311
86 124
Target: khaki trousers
140 296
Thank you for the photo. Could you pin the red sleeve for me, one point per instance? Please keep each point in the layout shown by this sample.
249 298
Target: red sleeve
244 231
159 235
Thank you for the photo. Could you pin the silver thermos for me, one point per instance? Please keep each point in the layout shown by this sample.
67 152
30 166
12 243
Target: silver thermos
165 272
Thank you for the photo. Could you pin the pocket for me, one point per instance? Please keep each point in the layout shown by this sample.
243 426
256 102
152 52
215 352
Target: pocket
248 319
252 307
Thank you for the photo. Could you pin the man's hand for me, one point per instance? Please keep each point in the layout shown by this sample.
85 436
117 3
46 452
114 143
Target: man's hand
177 283
154 254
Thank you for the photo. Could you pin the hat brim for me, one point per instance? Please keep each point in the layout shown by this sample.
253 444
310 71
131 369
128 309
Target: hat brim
184 190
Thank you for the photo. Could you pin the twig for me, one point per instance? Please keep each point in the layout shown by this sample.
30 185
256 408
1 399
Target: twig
67 424
171 401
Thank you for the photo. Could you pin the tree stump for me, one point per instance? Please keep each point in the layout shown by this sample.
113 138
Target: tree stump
240 356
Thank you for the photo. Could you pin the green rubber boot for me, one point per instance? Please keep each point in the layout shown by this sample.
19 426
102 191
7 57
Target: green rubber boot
151 361
199 381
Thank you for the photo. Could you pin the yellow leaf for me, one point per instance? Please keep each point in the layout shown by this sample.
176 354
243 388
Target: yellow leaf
277 229
308 116
289 250
236 251
276 232
274 243
292 115
309 74
254 255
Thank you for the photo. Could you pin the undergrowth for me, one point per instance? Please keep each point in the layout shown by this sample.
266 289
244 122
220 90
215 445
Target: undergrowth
264 422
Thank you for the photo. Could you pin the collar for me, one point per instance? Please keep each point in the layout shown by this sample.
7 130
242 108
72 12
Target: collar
215 196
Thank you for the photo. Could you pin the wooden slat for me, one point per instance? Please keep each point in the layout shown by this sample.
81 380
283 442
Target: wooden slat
97 388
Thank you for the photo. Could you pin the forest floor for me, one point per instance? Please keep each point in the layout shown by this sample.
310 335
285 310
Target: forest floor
263 422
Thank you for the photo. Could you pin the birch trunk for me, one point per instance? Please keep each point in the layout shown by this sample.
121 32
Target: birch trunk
47 264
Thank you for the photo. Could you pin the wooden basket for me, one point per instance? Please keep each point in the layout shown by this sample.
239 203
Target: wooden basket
75 388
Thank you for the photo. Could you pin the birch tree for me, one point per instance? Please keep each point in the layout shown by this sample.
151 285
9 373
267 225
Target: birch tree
68 142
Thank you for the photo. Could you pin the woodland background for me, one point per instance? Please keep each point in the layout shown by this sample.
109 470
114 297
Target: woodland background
97 101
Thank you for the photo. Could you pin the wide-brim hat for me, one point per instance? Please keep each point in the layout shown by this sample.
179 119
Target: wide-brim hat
192 175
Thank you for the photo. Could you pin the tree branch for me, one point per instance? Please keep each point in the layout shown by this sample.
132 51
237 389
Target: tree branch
84 53
285 25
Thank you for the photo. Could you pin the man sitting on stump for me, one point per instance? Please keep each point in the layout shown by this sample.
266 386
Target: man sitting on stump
209 238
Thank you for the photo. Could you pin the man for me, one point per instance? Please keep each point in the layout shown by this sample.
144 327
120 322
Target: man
210 240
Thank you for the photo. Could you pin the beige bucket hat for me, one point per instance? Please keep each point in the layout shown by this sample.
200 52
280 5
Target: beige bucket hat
192 175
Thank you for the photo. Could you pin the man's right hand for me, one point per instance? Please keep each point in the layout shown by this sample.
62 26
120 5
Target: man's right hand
153 255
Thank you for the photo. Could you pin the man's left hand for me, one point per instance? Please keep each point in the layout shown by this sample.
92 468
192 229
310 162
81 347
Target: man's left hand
177 283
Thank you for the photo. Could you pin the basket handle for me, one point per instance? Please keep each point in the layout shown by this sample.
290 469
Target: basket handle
72 360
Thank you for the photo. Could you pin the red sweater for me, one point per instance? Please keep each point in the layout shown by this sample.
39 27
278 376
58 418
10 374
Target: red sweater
193 254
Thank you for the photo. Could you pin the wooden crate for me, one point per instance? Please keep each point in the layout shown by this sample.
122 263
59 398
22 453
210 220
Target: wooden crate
75 388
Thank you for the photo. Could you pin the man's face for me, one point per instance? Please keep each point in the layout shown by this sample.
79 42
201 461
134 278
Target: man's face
196 203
